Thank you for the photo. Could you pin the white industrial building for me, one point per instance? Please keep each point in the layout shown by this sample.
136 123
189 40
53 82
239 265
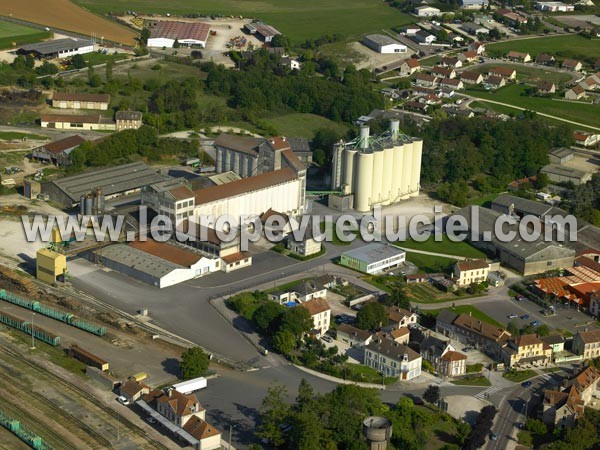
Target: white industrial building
189 34
427 11
383 44
58 48
377 170
373 258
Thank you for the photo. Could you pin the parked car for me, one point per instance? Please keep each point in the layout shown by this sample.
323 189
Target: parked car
151 420
326 338
526 384
494 436
525 316
513 316
536 323
520 298
123 400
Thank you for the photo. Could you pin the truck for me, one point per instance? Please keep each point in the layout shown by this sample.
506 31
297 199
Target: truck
189 386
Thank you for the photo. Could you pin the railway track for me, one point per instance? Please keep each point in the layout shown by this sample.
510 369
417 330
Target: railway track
100 439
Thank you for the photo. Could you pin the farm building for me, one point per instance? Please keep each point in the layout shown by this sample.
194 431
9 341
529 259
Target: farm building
128 120
561 155
383 44
114 181
473 28
427 11
189 34
562 174
77 122
57 48
57 152
265 32
373 258
67 100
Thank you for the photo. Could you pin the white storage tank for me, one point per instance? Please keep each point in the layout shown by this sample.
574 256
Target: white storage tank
376 187
388 169
363 182
349 158
405 181
416 166
397 173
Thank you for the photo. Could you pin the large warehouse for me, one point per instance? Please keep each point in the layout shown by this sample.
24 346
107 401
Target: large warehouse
57 48
190 34
373 258
378 170
113 181
383 44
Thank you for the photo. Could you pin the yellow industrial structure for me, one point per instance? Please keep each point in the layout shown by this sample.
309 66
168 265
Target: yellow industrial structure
50 265
379 170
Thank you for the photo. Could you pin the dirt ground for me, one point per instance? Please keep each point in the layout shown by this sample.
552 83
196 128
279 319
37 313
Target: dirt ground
372 59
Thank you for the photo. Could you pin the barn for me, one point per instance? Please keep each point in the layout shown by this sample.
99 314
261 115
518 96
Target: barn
189 34
57 48
383 44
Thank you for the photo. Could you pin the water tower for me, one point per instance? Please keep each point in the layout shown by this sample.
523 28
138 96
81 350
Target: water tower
377 431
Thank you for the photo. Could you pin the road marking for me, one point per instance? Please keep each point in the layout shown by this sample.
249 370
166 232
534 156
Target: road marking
489 391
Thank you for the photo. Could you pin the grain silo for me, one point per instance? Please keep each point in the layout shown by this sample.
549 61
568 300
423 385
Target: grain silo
388 175
349 158
415 180
405 181
378 157
363 176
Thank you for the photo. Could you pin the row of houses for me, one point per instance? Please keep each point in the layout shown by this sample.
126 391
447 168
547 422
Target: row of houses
579 91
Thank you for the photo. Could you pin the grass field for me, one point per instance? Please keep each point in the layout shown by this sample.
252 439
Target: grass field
570 46
10 135
430 264
472 380
445 246
478 314
579 112
303 125
12 34
297 20
64 15
519 376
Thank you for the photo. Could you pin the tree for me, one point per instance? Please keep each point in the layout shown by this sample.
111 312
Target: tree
513 328
176 44
371 316
194 363
144 36
462 432
78 61
296 320
274 413
109 71
266 315
536 426
284 342
542 330
432 394
323 140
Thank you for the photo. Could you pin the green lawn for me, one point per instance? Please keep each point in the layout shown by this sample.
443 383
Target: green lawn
445 246
297 20
12 33
519 376
472 380
430 264
578 112
358 372
529 74
561 47
96 58
303 125
10 135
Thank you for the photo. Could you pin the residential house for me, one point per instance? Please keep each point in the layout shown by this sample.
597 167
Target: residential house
587 343
400 317
504 72
477 47
417 106
453 62
452 364
474 4
133 390
443 72
591 83
495 82
512 18
187 416
424 37
545 59
585 138
300 292
128 120
353 336
399 335
546 87
460 112
320 313
575 93
430 99
393 359
472 331
409 66
468 56
555 342
57 152
525 350
473 28
471 271
446 361
452 83
468 77
572 64
562 408
305 246
426 80
595 306
554 6
519 56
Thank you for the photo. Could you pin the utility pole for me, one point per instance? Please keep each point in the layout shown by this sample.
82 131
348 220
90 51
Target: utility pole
230 431
32 335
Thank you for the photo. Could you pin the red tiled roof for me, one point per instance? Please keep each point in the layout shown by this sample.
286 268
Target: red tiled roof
472 264
57 147
170 29
81 96
503 71
73 118
412 63
167 251
235 257
200 429
181 193
316 306
454 356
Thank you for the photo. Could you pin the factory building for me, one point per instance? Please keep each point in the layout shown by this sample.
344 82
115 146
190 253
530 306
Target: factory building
378 170
373 258
113 181
57 48
190 34
248 156
263 31
383 44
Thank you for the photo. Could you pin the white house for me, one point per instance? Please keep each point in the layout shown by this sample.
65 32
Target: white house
471 271
427 11
320 312
393 359
383 44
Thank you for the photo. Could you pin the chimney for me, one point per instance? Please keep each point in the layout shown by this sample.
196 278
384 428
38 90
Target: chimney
283 138
364 137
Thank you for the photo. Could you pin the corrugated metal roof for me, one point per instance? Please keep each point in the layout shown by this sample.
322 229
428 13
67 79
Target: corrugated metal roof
56 45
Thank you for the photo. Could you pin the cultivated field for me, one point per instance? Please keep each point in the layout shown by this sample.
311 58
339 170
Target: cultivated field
298 20
13 34
303 125
63 14
571 46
